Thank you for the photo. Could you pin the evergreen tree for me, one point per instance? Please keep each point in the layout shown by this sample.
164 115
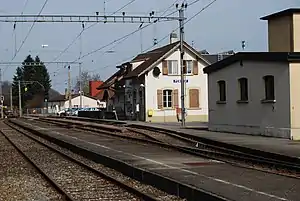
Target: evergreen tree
15 86
36 74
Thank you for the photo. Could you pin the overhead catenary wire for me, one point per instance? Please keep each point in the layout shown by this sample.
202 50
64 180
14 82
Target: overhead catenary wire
127 35
162 39
24 7
28 33
123 38
81 32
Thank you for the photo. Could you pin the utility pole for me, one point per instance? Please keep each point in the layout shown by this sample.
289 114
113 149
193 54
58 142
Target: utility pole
20 100
80 86
11 99
69 87
1 94
181 27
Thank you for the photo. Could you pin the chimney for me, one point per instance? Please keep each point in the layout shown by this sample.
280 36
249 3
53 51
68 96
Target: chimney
173 38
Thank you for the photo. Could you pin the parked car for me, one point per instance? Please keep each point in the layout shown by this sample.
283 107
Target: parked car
64 112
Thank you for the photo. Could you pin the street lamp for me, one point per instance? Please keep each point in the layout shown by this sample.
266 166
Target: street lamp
20 100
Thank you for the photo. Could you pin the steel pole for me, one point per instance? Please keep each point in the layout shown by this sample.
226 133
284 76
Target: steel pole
181 25
1 94
80 85
11 99
69 88
20 100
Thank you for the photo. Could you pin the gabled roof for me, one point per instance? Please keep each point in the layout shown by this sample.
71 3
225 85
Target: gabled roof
213 58
61 98
153 57
112 79
282 13
253 56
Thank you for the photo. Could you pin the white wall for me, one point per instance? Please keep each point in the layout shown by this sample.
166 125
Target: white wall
152 84
136 64
86 102
254 117
52 107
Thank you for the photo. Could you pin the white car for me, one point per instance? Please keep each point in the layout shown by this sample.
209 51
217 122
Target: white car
64 112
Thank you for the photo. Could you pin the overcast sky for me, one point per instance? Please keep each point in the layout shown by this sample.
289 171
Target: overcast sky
218 28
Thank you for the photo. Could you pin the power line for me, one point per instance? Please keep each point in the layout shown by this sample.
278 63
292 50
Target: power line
23 9
29 30
173 4
121 39
189 4
23 42
191 18
187 21
84 29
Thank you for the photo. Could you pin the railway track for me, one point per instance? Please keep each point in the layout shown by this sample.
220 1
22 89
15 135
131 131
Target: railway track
74 178
19 180
188 145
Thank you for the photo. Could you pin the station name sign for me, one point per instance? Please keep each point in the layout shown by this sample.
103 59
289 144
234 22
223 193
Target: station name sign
179 81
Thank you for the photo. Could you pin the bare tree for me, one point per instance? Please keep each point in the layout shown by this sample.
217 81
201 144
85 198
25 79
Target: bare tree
85 78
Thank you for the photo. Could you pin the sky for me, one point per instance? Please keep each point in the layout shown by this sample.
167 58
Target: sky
220 27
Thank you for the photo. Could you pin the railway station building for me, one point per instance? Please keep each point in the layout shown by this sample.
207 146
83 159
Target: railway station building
148 88
257 93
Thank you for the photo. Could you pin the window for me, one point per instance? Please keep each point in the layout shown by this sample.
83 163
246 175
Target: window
167 98
188 67
243 82
222 90
173 67
194 98
269 87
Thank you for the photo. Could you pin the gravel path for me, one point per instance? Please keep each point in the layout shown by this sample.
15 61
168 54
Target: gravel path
19 180
160 195
77 181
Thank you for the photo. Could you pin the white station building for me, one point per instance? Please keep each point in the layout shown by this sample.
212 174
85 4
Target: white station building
153 85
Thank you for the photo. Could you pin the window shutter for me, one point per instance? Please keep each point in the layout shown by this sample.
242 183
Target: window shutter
165 67
194 98
159 99
195 67
175 98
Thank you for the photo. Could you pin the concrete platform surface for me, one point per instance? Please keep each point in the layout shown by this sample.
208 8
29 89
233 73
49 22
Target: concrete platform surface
231 182
268 144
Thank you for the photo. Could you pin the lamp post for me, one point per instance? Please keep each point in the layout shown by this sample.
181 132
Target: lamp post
20 93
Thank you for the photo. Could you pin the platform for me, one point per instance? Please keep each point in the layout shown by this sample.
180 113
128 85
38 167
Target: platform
268 144
231 182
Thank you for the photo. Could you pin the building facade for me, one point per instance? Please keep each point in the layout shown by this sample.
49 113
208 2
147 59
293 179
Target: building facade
153 86
284 30
61 102
148 88
257 93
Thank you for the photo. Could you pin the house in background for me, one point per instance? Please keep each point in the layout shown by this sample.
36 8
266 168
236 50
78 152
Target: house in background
213 58
61 102
258 92
113 90
93 91
148 87
153 85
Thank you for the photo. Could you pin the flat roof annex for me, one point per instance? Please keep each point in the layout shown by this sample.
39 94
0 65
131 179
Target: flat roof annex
286 12
254 56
